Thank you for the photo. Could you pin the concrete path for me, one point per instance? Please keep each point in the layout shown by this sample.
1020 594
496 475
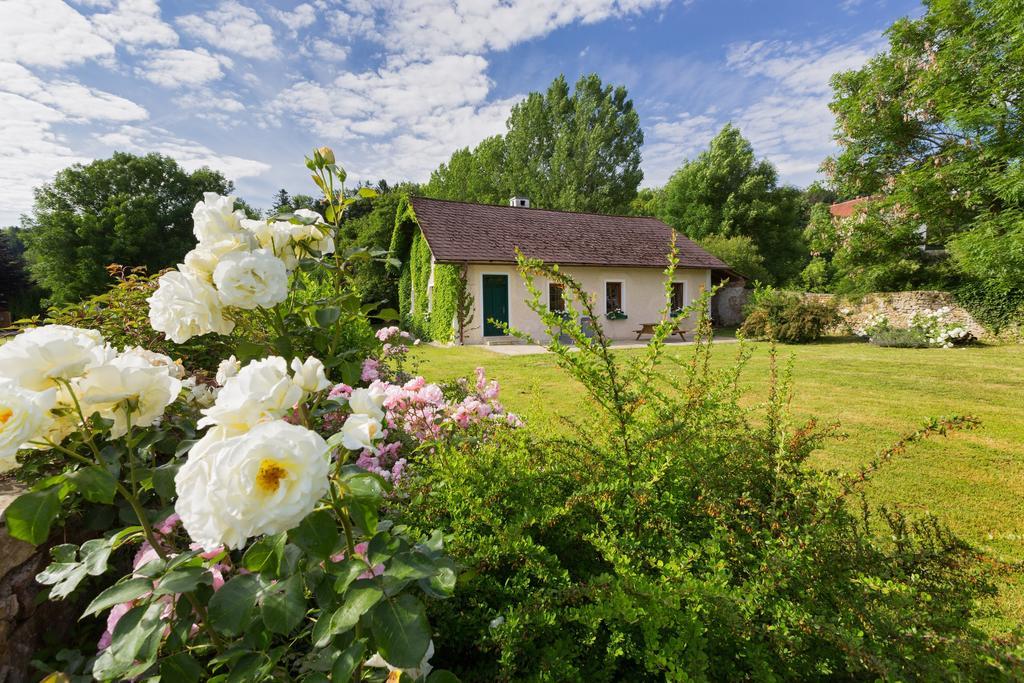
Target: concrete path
532 349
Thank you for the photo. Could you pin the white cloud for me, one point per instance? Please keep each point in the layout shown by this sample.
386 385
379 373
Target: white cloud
329 50
48 33
31 148
190 154
669 141
232 27
302 16
175 68
134 23
791 123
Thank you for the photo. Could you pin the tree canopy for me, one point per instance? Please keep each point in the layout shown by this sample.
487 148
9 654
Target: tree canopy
572 151
727 192
131 210
932 130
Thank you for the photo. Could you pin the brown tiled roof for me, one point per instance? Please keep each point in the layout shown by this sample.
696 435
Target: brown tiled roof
460 232
845 209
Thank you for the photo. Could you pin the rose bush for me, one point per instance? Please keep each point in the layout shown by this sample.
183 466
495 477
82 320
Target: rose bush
240 522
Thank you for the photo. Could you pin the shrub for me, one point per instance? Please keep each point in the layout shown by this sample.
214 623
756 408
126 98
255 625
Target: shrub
904 338
926 329
678 535
787 316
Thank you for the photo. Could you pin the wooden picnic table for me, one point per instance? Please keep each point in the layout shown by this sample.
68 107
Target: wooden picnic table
648 328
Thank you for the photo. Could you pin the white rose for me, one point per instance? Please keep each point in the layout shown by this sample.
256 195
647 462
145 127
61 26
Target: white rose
274 236
202 260
316 236
39 356
261 391
309 376
360 431
292 241
184 306
215 219
264 481
157 360
203 395
249 280
368 401
227 369
24 416
128 384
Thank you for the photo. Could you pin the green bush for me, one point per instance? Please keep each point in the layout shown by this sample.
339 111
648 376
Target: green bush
788 317
680 536
997 308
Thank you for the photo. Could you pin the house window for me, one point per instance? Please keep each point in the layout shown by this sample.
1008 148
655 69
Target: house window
678 295
556 303
612 296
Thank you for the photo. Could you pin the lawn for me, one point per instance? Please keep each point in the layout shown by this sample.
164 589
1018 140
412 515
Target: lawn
974 481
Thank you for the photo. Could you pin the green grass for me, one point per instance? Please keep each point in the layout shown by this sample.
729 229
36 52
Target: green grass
973 481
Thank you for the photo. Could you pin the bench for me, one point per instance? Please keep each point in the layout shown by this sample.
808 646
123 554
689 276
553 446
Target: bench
648 328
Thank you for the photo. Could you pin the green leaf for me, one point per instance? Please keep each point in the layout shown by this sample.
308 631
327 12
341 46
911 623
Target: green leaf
350 569
346 663
284 605
180 668
245 668
387 314
95 553
118 593
401 631
232 606
364 515
367 193
440 585
163 479
327 316
381 548
442 676
265 555
317 534
183 580
30 516
411 565
360 598
63 576
95 483
130 637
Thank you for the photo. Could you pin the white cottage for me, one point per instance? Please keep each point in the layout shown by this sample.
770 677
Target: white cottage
620 260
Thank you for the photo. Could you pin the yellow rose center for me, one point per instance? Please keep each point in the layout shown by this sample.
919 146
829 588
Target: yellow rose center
5 415
268 479
373 429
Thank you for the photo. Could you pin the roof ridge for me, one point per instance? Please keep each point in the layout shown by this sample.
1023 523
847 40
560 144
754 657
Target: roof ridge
537 208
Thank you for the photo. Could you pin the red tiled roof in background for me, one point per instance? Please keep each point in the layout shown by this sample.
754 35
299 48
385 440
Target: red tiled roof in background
460 232
845 209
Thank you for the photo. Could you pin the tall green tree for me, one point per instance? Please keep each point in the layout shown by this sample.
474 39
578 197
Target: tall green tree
573 150
932 129
727 192
131 210
17 291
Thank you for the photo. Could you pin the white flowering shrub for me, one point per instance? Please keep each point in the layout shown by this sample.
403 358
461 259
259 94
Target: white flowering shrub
241 525
928 328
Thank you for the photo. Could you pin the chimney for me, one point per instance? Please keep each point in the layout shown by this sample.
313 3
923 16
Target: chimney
521 202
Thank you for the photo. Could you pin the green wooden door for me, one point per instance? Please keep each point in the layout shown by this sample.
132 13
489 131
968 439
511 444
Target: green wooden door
495 303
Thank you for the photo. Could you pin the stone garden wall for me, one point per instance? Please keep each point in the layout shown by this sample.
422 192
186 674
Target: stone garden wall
899 306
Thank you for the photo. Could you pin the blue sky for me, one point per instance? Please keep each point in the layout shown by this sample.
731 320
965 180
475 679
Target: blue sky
394 86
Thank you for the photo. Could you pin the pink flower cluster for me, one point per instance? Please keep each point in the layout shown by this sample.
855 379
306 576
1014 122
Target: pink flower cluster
147 554
420 411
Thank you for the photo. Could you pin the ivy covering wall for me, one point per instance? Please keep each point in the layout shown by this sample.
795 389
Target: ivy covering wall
427 320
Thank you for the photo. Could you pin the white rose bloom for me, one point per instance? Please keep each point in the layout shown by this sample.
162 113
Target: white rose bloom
203 395
315 236
261 391
309 376
368 401
292 241
128 383
227 369
215 219
158 360
274 236
202 260
24 416
39 356
249 280
264 481
184 306
360 431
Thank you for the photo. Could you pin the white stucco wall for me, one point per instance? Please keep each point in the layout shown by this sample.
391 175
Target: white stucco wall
643 294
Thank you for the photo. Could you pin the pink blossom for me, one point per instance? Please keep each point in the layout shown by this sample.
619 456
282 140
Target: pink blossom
370 370
340 390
